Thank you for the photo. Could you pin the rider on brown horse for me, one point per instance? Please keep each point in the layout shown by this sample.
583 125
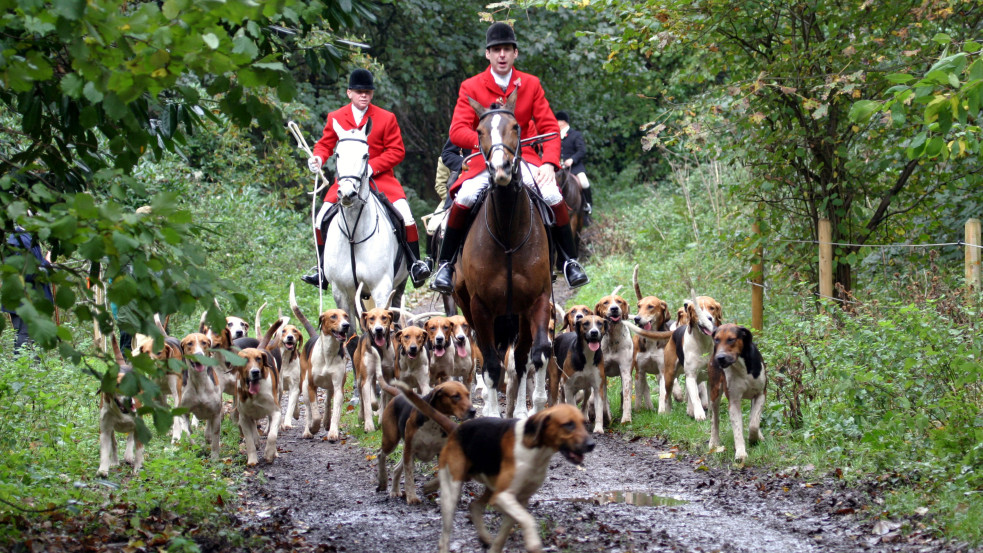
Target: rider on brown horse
488 87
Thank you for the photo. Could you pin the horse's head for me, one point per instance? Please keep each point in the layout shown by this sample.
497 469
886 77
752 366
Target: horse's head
352 162
498 139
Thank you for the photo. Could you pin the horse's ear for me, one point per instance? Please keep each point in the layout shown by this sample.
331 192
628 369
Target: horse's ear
368 127
510 101
478 108
336 126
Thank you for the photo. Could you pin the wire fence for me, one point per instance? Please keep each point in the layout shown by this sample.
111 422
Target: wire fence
959 243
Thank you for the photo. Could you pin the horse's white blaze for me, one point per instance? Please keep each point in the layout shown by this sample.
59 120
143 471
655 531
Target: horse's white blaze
497 160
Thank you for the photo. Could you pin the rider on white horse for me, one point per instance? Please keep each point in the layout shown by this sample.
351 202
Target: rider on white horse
385 152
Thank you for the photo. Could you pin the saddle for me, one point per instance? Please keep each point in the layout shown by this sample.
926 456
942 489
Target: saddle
395 220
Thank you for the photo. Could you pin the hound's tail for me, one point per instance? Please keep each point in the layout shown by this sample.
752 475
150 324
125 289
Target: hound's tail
311 332
443 420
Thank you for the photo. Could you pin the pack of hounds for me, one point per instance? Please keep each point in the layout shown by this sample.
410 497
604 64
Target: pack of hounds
415 374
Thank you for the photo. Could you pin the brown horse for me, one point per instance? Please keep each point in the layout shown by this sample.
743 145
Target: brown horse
502 277
572 196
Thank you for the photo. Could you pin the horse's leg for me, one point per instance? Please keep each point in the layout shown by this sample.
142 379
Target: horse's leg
540 352
483 323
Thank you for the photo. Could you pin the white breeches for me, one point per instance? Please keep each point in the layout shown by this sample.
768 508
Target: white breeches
470 189
401 205
584 183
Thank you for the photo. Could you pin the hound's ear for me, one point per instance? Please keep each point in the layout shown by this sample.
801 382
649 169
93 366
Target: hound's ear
320 320
245 325
364 320
436 394
534 433
398 334
745 336
665 309
268 360
607 325
597 309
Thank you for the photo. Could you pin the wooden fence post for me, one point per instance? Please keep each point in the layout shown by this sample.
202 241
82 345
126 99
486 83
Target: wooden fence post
825 258
972 258
757 277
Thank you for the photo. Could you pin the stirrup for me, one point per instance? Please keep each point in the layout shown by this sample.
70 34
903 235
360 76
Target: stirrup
419 272
574 274
312 279
443 279
587 208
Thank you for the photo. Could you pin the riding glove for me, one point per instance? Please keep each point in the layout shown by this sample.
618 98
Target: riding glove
314 163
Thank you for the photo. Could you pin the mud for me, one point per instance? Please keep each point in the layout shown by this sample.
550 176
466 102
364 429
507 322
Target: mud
324 495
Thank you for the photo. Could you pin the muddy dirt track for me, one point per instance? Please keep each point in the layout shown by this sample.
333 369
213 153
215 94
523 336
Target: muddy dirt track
631 494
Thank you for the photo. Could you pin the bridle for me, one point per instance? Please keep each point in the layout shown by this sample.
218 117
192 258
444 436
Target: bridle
516 152
362 175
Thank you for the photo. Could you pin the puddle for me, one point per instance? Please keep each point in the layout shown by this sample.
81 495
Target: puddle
639 499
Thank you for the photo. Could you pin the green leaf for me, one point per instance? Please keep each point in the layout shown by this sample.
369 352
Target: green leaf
69 9
942 38
211 40
92 93
861 110
71 85
971 46
64 297
934 147
899 78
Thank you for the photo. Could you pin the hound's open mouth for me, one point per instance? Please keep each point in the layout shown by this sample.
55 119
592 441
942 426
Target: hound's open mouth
197 366
614 318
412 354
594 346
572 456
461 350
705 330
439 351
290 345
338 336
253 387
647 326
379 340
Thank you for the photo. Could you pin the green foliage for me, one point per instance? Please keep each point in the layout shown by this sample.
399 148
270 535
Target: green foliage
789 91
89 88
886 391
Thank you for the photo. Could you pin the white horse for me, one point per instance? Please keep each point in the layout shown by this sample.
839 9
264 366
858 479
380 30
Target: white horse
360 246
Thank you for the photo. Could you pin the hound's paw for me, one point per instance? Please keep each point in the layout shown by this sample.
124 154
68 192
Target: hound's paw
307 435
334 436
413 500
369 428
285 425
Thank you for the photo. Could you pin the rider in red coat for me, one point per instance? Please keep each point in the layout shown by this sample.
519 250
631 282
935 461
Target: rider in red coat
532 112
385 153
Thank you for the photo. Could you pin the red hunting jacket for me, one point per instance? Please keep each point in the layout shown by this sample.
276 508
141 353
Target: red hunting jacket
531 109
385 148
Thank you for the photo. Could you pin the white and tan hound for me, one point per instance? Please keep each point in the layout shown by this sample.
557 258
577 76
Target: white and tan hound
412 361
258 397
118 413
202 393
289 342
689 350
374 358
737 370
324 363
617 348
651 313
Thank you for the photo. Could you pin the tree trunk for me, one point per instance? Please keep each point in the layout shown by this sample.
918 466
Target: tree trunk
842 275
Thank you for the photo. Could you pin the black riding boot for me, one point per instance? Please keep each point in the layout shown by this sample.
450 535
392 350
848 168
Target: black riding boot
566 257
443 280
419 270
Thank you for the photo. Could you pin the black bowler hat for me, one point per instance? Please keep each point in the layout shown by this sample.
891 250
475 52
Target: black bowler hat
360 79
500 33
562 116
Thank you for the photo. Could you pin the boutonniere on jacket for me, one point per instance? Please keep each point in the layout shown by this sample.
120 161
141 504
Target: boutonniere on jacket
518 82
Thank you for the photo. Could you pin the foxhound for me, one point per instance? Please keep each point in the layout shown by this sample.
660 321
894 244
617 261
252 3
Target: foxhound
617 348
510 457
290 342
118 413
374 359
170 380
578 355
258 397
412 364
202 393
689 350
422 437
737 370
649 354
323 365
